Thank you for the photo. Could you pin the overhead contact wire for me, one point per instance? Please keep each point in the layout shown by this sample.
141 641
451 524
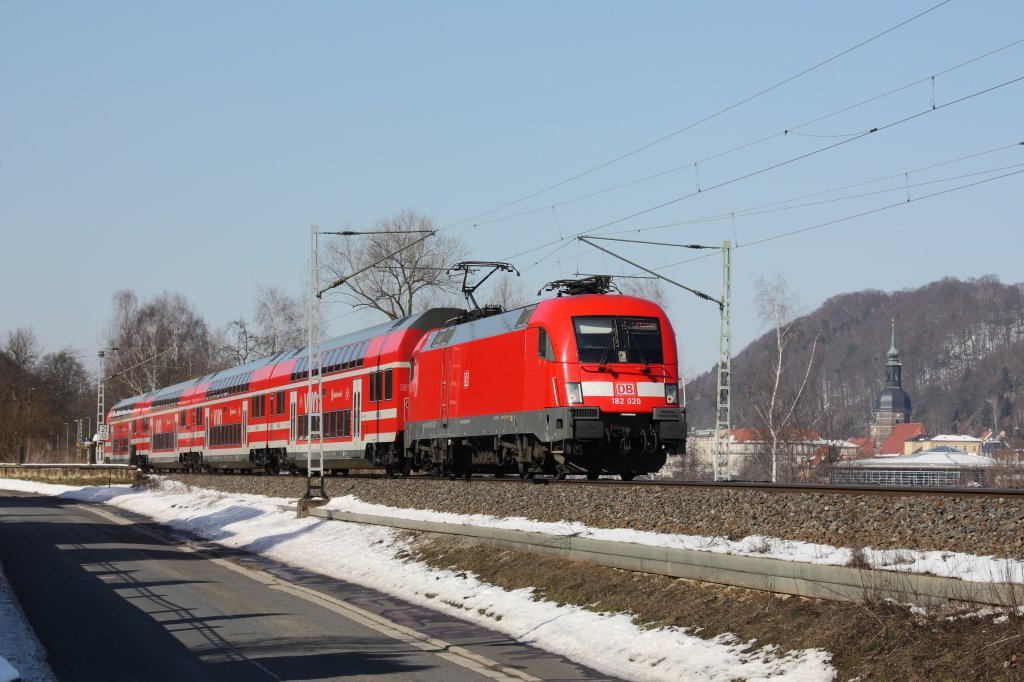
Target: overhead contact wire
782 163
790 130
705 119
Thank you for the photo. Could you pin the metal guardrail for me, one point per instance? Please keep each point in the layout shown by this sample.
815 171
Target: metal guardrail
839 583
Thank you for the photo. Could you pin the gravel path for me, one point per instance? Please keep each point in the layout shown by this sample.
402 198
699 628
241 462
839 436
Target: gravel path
983 526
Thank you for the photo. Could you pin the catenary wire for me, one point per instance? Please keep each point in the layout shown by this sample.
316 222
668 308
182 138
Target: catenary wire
847 197
846 218
777 165
754 210
792 130
703 120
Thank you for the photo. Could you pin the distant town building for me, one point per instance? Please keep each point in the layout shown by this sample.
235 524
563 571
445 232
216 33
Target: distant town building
937 467
966 444
892 406
894 444
807 447
865 447
992 442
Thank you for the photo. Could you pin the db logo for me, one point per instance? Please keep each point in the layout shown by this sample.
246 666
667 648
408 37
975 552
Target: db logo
625 389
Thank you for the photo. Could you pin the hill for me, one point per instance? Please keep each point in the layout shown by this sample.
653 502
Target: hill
961 344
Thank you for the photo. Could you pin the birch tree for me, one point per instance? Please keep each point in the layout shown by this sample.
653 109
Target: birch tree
279 324
780 395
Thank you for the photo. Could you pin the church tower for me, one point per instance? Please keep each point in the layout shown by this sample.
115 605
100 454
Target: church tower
892 406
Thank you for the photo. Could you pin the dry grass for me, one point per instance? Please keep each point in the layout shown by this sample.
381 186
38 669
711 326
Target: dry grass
869 641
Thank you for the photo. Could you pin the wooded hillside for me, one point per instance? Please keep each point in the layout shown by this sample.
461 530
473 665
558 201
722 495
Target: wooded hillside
961 344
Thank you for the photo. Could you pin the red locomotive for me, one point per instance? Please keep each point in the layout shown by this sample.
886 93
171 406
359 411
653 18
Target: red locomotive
584 383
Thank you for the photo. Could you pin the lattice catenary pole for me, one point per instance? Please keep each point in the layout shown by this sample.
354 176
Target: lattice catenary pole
723 410
314 405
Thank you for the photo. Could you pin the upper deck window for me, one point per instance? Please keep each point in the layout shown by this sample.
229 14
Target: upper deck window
609 339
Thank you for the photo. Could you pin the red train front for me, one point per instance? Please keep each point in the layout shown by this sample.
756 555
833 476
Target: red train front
576 384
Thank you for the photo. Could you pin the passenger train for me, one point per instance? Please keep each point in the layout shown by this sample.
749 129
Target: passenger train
575 384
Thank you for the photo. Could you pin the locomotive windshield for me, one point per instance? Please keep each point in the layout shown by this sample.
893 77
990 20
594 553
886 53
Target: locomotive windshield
606 339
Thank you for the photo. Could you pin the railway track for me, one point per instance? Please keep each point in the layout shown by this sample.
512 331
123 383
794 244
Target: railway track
760 486
976 521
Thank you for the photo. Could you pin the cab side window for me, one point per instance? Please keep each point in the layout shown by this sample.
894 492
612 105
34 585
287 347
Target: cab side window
544 347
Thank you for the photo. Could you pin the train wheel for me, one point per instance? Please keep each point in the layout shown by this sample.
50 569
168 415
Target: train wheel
593 475
627 476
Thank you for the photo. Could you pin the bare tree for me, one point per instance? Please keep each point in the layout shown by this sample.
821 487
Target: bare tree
241 343
161 342
22 348
643 287
38 394
19 386
65 384
508 292
281 319
279 325
779 395
411 274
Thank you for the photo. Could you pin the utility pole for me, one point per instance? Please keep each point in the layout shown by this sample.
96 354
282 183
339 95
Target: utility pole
101 431
314 380
723 407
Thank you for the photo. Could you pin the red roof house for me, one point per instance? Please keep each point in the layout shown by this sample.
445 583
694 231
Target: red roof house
892 446
865 446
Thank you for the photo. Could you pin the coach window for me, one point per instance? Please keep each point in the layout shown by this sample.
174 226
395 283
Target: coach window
280 403
387 384
258 406
375 385
183 419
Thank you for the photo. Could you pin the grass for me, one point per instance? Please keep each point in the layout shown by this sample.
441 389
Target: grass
871 640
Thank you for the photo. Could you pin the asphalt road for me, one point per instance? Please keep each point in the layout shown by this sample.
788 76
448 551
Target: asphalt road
112 597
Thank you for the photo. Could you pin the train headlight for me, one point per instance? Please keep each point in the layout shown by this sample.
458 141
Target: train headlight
574 392
671 393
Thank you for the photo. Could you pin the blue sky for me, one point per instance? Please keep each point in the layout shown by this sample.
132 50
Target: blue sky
189 146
